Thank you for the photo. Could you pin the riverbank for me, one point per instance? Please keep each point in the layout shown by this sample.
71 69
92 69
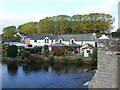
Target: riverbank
51 59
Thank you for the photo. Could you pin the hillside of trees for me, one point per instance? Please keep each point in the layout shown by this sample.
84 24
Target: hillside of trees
76 24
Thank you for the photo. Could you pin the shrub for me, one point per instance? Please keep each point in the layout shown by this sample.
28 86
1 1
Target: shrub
66 52
115 34
30 50
94 55
26 54
45 47
5 46
37 49
20 50
12 51
39 60
52 60
4 54
66 61
46 52
78 61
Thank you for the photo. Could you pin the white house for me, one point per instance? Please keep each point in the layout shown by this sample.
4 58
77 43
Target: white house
80 39
41 39
87 50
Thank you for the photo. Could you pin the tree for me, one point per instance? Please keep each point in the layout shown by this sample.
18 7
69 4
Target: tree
78 24
12 51
45 47
9 33
94 55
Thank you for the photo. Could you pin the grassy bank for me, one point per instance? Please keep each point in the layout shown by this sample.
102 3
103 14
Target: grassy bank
51 59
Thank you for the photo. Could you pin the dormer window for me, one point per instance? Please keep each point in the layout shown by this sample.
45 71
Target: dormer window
60 41
35 41
72 40
46 40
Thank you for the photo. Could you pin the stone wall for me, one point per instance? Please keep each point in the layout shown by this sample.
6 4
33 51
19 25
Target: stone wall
108 68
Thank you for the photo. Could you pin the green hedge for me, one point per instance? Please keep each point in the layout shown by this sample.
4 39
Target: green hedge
12 51
115 34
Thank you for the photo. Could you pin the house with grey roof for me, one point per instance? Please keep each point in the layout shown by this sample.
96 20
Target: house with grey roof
87 50
41 39
79 39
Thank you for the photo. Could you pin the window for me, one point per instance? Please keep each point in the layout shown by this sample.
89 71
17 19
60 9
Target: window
29 45
52 40
72 41
60 41
46 40
35 40
88 51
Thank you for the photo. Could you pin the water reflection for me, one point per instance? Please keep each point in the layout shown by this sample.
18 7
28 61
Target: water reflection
45 75
58 68
12 69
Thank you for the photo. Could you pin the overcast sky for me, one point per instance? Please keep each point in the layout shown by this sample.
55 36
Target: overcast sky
17 12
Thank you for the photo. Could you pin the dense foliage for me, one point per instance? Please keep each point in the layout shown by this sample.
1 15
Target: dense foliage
94 55
88 23
12 51
115 34
45 47
9 34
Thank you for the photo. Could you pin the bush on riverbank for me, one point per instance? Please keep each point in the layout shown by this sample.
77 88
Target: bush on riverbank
78 61
94 56
12 51
45 53
65 61
51 60
26 55
39 60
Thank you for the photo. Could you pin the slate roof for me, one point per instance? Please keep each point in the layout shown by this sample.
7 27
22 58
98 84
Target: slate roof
58 44
42 36
78 37
74 45
89 46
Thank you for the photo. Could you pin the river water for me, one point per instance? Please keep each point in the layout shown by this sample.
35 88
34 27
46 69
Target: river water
16 75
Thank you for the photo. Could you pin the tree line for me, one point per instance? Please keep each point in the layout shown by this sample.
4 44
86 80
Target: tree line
76 24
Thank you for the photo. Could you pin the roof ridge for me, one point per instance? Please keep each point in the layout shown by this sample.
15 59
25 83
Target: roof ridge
76 34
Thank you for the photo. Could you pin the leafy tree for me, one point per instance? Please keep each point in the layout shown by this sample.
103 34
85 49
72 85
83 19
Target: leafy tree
12 51
87 23
94 55
45 47
37 49
9 33
26 54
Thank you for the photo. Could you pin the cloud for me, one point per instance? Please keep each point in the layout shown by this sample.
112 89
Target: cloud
18 19
107 7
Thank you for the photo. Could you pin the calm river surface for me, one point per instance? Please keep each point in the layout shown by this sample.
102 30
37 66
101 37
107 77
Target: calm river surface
45 76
